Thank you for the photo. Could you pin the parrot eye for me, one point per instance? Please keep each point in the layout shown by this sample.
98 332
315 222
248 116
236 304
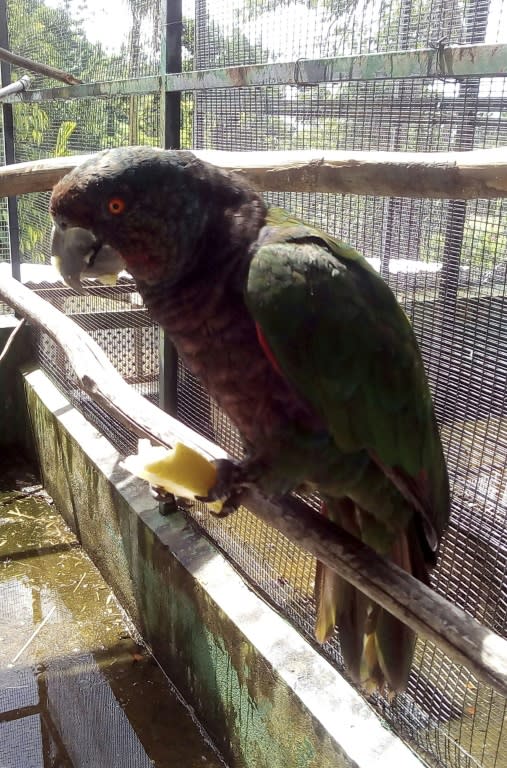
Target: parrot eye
116 205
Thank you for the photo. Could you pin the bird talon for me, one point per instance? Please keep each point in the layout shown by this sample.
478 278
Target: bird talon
229 482
160 494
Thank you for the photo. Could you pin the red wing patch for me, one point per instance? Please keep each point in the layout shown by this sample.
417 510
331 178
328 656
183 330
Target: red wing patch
267 351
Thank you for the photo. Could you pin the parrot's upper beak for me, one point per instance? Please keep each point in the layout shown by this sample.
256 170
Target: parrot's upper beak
76 253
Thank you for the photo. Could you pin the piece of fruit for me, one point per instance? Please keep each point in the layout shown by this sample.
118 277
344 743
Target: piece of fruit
181 470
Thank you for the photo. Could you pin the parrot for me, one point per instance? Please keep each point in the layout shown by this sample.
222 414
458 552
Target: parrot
304 347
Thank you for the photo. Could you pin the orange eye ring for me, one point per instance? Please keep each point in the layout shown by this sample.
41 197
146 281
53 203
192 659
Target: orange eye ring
116 205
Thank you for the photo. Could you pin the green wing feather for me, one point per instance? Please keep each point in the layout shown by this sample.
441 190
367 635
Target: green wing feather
342 340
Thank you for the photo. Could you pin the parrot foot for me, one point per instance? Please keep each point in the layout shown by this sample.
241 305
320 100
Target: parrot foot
232 480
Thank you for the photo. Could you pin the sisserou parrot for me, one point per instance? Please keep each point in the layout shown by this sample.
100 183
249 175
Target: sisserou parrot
300 342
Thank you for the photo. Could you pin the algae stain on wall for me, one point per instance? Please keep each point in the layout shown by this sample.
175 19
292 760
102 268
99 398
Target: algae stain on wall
251 715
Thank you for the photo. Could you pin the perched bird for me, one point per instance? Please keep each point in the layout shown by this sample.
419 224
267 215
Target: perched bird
304 347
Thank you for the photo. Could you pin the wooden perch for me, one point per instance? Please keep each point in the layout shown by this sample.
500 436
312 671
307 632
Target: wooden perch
463 638
479 173
40 69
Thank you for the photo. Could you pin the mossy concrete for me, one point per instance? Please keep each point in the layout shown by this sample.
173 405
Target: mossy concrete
78 688
263 694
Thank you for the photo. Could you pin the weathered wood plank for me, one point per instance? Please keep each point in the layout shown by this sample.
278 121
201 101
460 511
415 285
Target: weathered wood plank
480 173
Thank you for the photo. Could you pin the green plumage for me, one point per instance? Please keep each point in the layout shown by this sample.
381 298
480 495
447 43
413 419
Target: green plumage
340 338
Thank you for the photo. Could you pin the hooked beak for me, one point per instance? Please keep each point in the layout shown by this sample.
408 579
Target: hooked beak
76 253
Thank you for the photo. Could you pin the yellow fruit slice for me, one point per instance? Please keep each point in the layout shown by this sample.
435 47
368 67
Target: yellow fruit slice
181 470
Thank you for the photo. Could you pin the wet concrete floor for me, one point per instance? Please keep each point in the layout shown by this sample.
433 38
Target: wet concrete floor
77 687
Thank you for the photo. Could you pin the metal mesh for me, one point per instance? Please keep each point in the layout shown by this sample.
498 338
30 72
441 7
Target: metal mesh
115 319
445 260
5 253
111 41
261 31
4 224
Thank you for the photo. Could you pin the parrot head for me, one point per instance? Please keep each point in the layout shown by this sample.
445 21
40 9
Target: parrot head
114 212
143 209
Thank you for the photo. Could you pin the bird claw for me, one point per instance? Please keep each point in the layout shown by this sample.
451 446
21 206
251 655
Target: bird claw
230 485
168 503
160 494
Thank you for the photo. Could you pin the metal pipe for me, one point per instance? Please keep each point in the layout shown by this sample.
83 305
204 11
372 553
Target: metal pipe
9 146
170 136
17 87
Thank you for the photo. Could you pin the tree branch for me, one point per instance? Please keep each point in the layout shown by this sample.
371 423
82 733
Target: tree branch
479 173
40 69
10 340
463 638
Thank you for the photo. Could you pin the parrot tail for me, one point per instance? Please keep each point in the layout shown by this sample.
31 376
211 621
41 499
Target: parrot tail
376 647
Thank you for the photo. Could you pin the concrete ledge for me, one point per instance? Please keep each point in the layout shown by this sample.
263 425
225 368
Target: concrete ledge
264 695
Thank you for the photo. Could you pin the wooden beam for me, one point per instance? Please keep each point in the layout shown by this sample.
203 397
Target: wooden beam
36 66
36 175
463 638
479 173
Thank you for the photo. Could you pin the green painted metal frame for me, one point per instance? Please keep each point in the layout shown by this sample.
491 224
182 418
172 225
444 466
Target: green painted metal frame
9 147
453 61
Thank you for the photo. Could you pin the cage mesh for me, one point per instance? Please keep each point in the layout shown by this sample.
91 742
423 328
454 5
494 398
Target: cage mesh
5 251
445 260
249 32
96 41
115 319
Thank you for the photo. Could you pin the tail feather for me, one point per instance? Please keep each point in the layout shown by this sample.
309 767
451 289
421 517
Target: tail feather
328 586
394 644
342 605
377 648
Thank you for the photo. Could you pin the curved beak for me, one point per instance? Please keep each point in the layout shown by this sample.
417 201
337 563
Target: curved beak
77 253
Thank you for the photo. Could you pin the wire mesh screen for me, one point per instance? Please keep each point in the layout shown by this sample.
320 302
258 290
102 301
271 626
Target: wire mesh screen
115 318
258 31
445 260
96 41
5 251
4 223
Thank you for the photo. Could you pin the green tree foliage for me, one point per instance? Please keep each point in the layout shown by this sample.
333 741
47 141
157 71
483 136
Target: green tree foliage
54 129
